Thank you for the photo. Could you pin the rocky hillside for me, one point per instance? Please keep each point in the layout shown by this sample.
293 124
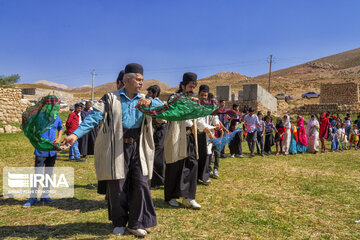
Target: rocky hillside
342 67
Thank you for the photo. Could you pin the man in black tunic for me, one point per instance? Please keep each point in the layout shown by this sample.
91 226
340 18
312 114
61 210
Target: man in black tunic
159 139
203 136
87 142
124 152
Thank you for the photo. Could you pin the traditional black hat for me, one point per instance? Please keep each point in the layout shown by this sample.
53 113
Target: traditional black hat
189 77
204 88
120 78
134 68
251 110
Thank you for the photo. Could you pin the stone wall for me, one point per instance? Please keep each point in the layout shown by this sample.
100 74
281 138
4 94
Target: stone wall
11 105
254 92
342 93
38 93
223 92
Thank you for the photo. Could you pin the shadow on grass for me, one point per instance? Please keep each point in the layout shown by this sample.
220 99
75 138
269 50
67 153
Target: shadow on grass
68 230
160 203
68 204
88 186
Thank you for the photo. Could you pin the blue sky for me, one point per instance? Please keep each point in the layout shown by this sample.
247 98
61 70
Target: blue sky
62 41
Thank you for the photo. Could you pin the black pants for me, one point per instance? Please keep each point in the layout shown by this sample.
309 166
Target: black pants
129 199
159 158
204 158
181 176
235 145
251 139
259 143
269 142
40 163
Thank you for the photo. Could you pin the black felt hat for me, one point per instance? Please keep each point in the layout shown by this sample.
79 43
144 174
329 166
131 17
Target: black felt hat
189 77
204 88
134 68
251 110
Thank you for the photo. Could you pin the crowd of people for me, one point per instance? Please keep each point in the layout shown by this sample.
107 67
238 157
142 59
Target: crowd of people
135 153
289 136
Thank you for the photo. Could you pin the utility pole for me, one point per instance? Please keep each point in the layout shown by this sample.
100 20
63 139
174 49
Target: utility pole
92 87
270 72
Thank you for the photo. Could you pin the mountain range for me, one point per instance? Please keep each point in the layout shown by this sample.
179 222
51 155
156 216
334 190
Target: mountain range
294 80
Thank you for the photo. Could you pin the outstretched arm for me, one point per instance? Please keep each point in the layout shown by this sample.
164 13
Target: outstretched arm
91 121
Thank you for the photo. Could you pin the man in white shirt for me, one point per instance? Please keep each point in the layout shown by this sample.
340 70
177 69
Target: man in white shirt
181 154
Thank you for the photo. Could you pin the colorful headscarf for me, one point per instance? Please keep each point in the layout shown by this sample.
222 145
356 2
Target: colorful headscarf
180 108
38 119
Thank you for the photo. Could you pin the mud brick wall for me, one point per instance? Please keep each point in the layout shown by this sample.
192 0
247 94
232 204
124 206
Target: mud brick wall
11 106
308 109
342 93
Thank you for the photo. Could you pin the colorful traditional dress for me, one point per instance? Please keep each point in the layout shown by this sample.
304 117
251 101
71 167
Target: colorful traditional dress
287 136
324 126
294 140
313 136
334 137
302 143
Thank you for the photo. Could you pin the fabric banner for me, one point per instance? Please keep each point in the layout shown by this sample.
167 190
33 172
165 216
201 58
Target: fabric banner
38 119
220 143
180 108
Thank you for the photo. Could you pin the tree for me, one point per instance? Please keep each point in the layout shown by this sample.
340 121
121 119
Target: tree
9 81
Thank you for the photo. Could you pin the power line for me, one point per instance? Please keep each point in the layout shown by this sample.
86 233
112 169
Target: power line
270 62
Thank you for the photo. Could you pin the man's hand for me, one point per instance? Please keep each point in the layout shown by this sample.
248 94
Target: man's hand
211 136
68 141
57 140
144 102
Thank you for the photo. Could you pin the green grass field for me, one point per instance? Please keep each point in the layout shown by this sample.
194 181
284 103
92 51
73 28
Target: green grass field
286 197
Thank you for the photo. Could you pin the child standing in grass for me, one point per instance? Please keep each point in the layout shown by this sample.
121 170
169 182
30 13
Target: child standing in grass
279 136
334 137
45 159
269 137
347 121
354 137
341 132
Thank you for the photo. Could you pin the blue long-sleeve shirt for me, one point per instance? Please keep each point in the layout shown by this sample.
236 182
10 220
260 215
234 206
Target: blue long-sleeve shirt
131 116
51 135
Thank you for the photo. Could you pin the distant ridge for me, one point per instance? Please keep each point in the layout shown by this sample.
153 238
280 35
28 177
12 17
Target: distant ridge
52 84
225 76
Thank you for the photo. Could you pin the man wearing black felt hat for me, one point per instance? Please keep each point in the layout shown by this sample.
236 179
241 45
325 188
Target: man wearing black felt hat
124 153
120 80
181 154
206 131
